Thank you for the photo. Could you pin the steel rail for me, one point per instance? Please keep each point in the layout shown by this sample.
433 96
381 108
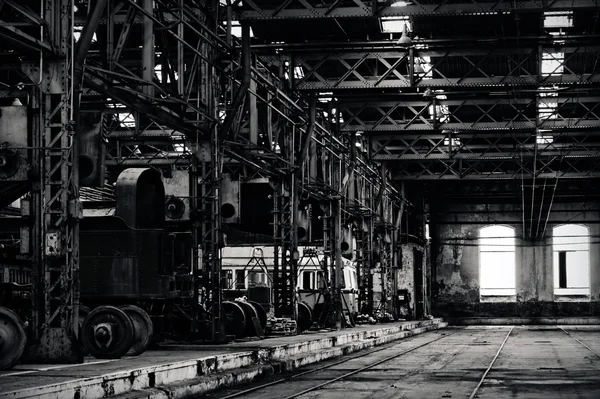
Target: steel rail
579 341
282 380
474 393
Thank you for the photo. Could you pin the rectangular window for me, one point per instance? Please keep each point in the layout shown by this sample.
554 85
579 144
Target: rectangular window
240 279
226 279
562 269
497 271
307 278
571 260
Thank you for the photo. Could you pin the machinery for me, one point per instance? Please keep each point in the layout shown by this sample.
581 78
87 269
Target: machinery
248 271
136 281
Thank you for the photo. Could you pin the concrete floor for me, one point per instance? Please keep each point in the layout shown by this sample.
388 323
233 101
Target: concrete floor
536 362
178 362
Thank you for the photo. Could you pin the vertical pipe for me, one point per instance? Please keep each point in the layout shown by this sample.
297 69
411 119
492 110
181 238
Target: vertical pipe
312 115
180 52
253 113
148 48
411 66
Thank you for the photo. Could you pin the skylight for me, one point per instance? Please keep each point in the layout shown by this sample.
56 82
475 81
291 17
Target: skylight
544 139
442 113
236 29
553 64
548 106
395 24
558 19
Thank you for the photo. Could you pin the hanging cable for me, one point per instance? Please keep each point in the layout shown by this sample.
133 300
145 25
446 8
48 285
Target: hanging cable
537 227
552 198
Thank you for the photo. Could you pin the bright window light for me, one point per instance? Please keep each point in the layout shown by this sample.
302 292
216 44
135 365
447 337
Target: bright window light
158 72
548 106
236 29
571 257
325 97
544 139
401 3
455 141
553 64
77 34
395 24
125 119
558 19
442 113
298 72
497 269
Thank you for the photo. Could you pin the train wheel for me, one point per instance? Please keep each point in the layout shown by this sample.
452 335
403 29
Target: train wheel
235 319
305 317
107 332
262 313
12 339
143 329
250 312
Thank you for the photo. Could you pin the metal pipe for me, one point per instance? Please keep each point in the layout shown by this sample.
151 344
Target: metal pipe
148 53
83 45
312 116
244 86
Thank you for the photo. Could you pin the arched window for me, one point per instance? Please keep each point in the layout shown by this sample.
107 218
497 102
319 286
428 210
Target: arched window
497 271
571 257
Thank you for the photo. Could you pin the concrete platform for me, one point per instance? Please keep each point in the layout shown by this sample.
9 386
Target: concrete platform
182 371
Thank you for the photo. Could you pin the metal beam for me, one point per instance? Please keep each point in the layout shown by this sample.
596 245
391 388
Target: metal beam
23 39
298 9
445 67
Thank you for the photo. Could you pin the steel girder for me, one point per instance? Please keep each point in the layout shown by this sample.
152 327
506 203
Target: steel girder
304 9
490 155
450 67
498 169
472 114
143 73
55 207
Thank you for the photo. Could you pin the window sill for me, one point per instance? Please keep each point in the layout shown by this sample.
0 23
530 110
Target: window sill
498 298
571 298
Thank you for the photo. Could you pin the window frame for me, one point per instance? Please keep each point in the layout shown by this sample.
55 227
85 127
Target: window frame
570 292
501 294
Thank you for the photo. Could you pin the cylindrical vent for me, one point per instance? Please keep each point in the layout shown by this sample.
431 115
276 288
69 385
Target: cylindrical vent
228 210
230 199
347 245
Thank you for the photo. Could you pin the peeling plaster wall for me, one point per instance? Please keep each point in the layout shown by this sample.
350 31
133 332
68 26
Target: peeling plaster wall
405 278
455 268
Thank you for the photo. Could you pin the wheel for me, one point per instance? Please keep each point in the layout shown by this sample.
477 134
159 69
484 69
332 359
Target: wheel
12 339
249 312
143 329
262 313
107 332
235 319
305 317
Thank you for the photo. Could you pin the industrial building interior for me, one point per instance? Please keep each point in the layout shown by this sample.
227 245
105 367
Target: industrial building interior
206 171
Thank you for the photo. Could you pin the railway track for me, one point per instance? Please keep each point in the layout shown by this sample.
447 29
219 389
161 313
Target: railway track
330 365
473 394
